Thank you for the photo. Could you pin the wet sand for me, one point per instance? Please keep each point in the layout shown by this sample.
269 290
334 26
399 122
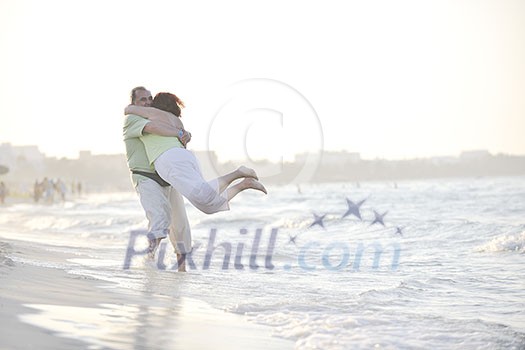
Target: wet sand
42 307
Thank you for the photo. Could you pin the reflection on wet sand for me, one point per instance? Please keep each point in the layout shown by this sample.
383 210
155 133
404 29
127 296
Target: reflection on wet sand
154 316
182 323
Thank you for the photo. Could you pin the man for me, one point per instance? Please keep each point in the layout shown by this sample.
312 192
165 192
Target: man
163 205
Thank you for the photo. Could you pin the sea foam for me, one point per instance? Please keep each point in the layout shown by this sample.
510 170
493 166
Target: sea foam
505 243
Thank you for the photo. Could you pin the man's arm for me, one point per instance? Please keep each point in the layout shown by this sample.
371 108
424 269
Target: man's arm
136 126
161 122
154 114
161 129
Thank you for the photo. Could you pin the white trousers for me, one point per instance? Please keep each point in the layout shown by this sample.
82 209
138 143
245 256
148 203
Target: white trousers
166 214
180 168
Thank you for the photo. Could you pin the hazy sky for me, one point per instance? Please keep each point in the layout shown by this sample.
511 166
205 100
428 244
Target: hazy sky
393 79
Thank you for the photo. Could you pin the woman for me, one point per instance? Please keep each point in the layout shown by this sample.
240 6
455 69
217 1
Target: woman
179 167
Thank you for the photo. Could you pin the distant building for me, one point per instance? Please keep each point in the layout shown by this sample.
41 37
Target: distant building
84 155
336 158
16 157
7 156
331 158
444 160
474 155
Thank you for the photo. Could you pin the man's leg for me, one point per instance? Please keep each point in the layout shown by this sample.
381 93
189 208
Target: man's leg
155 201
180 231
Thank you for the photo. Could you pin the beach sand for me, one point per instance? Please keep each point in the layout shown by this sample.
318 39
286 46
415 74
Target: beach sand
42 307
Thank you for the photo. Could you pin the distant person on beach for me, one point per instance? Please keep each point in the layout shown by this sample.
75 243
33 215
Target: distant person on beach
48 189
60 188
178 166
163 205
37 191
3 192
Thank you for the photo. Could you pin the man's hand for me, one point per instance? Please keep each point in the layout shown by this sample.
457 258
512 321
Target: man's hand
186 137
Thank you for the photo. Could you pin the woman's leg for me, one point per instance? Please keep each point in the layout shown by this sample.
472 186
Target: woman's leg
242 172
179 167
248 183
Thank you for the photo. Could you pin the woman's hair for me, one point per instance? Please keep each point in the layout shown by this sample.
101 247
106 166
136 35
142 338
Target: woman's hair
168 102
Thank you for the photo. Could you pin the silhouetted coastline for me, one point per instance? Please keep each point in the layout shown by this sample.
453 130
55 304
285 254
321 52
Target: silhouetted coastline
103 173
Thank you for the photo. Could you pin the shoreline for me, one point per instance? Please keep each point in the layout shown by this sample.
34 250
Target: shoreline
48 308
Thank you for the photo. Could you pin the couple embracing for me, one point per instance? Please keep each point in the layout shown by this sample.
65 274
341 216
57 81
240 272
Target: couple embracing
163 170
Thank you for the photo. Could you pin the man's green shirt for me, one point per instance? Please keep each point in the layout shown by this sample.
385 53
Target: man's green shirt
135 151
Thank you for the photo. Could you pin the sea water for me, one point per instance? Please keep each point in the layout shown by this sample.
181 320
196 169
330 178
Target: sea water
443 268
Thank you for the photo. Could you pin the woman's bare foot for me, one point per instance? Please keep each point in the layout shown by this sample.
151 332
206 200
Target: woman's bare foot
247 172
254 184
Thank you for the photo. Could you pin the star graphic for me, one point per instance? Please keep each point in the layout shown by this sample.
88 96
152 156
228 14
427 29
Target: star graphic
399 231
353 209
379 218
318 220
292 239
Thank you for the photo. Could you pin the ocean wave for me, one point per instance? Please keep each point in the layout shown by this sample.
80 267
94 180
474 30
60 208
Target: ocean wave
505 243
365 329
5 249
66 224
280 308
